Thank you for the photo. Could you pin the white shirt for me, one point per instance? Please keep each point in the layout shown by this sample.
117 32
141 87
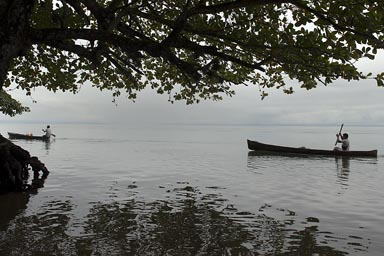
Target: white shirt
345 144
48 132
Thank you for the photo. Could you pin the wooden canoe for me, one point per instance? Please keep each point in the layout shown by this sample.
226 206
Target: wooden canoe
26 137
257 146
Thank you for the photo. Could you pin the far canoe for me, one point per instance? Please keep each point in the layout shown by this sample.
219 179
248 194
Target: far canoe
26 137
257 146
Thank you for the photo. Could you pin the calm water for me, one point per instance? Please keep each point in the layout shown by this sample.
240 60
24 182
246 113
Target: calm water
195 190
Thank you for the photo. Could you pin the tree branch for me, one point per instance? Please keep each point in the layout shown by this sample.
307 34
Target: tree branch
211 50
302 5
96 10
76 5
48 35
123 70
228 6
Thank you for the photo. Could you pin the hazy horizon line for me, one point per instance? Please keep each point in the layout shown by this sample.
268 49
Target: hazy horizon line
193 123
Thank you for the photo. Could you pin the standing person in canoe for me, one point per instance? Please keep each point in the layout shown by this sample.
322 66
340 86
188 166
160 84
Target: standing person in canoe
48 132
343 139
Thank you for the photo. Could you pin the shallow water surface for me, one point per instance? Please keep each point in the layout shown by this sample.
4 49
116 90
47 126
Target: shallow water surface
196 190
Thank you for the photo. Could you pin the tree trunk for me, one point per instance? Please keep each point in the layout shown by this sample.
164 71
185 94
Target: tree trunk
14 26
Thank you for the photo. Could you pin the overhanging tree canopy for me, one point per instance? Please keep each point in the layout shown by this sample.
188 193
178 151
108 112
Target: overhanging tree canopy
189 49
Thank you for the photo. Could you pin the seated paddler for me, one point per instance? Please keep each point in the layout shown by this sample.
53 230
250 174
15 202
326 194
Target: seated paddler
343 139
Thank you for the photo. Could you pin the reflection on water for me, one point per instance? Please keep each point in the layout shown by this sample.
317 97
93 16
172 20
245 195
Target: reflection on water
186 222
256 160
342 167
11 205
47 144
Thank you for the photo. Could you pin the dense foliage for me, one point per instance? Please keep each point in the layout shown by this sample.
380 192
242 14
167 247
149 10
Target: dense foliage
189 49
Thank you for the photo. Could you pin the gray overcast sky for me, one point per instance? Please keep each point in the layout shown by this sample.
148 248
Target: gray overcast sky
360 103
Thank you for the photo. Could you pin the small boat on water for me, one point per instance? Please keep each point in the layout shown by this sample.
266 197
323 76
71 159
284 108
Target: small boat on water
257 146
26 136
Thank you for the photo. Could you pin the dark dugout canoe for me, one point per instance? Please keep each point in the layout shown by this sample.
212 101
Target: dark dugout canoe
257 146
26 137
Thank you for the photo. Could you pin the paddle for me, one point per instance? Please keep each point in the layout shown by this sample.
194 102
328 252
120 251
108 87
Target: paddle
341 128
